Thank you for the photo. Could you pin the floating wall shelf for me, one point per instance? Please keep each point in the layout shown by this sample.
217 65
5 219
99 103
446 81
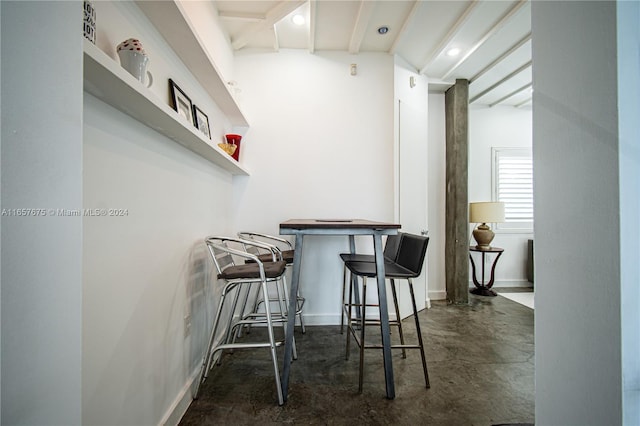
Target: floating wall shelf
108 81
172 23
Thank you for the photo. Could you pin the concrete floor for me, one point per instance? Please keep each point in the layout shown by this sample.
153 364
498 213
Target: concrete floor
481 367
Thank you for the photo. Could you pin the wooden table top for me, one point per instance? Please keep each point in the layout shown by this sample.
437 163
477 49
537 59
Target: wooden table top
336 224
487 250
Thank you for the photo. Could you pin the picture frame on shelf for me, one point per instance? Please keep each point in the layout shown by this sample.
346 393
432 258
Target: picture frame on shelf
181 102
202 121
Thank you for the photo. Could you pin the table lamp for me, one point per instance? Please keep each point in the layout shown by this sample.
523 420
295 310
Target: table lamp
483 213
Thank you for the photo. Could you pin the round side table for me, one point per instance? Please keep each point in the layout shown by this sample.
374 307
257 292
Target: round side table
483 288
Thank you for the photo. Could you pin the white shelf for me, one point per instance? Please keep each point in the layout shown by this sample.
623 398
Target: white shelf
108 81
172 23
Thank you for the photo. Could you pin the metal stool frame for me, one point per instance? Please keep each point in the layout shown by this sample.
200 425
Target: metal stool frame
391 247
259 275
284 249
408 265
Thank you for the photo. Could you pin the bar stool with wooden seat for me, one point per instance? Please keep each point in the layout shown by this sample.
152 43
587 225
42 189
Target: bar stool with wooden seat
408 265
238 279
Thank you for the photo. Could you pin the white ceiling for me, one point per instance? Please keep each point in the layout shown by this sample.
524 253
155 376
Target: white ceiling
494 37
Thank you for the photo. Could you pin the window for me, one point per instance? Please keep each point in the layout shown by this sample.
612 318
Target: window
513 185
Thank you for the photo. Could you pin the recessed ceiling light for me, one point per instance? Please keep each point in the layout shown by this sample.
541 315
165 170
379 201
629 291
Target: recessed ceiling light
383 30
297 19
453 52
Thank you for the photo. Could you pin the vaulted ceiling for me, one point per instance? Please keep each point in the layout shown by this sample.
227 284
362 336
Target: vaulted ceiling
492 38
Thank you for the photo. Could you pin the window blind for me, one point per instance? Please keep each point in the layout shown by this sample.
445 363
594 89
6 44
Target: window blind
513 185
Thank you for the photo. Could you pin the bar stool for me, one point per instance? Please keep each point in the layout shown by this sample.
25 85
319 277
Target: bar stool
391 246
285 251
408 265
239 278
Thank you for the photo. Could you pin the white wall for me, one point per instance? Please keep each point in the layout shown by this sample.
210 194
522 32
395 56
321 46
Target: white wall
203 15
147 270
414 99
436 196
118 21
41 254
576 151
499 126
628 15
411 171
320 145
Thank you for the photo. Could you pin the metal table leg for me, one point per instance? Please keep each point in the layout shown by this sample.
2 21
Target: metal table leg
291 320
384 317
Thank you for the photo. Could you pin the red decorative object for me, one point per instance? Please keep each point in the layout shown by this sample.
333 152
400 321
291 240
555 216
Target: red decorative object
235 140
132 44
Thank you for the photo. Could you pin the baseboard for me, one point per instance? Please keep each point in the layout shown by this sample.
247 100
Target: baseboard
334 319
442 294
180 405
507 283
322 319
438 295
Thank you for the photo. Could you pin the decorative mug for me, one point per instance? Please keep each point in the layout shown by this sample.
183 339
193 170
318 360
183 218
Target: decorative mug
136 64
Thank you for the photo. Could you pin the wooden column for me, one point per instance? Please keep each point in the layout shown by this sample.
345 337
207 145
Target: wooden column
457 220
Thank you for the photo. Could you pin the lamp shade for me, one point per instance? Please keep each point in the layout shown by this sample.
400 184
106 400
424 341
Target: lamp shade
486 212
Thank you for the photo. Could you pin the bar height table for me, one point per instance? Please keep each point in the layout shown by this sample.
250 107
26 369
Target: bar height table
349 227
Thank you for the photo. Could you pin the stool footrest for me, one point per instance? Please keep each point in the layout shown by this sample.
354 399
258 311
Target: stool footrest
226 346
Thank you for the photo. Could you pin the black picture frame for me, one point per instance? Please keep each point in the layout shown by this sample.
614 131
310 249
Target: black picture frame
181 102
202 121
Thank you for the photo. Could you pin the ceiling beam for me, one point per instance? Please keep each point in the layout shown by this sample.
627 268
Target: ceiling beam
313 14
405 26
453 31
242 16
276 40
494 29
360 26
272 16
526 101
507 96
502 57
499 82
